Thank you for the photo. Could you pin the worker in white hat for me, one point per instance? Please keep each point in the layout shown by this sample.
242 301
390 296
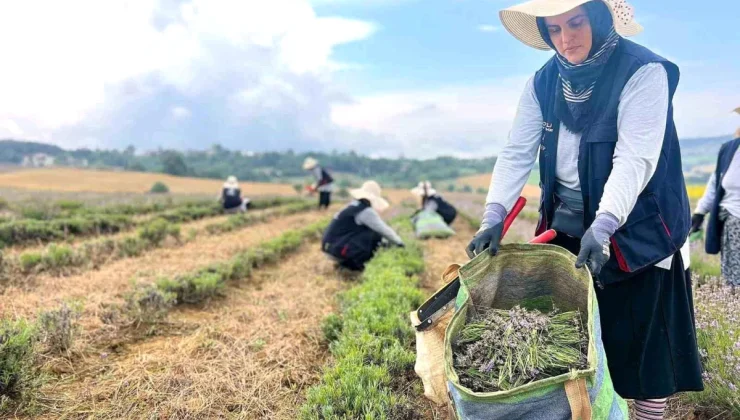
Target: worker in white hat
599 117
721 201
429 199
324 182
356 231
231 196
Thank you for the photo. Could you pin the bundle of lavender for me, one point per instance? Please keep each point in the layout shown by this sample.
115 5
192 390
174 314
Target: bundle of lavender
499 350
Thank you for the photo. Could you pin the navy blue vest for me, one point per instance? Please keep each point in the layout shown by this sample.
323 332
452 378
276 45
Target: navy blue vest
343 229
659 224
326 178
715 226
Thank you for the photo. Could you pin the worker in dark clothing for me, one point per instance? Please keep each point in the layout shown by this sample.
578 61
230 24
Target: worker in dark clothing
231 196
324 182
357 231
430 200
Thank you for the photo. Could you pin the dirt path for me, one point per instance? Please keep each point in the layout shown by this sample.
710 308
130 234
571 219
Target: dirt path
111 281
249 355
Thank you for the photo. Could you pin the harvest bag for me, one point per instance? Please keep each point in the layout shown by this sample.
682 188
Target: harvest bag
429 224
531 276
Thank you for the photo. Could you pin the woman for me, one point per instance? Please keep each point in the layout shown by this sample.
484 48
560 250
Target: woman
231 196
722 200
430 200
356 232
324 181
599 117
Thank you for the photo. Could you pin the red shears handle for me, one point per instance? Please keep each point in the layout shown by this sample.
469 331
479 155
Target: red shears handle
544 238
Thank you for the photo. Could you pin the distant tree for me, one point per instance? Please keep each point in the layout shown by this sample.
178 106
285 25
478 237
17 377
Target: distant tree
298 188
173 163
481 190
344 183
467 188
159 188
450 187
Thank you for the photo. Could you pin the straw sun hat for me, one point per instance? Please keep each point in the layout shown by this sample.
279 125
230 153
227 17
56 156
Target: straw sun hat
309 163
424 188
231 182
521 20
371 192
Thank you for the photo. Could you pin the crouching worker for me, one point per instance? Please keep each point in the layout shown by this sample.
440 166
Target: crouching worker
430 200
231 197
356 231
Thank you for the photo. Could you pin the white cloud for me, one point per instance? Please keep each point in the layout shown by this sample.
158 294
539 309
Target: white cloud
85 69
180 112
489 28
456 120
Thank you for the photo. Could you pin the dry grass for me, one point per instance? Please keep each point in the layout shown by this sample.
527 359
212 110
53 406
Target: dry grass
113 280
84 180
250 355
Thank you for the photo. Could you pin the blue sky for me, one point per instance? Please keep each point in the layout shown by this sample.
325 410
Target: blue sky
433 43
418 78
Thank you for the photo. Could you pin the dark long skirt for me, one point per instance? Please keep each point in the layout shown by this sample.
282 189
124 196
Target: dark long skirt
649 331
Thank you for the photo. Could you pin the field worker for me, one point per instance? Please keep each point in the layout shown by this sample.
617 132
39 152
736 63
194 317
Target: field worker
324 182
231 196
722 201
599 116
356 231
430 200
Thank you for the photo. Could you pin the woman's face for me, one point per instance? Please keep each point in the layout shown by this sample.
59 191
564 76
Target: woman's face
571 34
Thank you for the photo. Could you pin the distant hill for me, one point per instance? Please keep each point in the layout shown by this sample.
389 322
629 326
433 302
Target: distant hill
218 163
699 156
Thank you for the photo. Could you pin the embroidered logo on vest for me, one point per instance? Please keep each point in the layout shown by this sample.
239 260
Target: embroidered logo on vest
547 126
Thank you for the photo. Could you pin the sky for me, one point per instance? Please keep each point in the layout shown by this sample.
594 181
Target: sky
414 78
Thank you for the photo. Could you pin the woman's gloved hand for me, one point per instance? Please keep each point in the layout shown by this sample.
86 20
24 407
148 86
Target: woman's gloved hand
491 230
697 220
595 243
489 239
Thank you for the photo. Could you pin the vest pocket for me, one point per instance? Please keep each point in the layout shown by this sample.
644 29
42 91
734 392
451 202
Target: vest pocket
601 139
644 240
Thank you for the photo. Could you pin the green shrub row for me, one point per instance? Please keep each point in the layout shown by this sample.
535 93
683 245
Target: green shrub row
18 377
20 345
29 231
150 303
242 220
60 257
65 209
371 340
33 231
718 336
210 281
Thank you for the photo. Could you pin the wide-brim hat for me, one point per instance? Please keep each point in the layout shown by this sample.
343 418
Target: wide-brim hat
424 189
371 192
309 163
231 182
521 20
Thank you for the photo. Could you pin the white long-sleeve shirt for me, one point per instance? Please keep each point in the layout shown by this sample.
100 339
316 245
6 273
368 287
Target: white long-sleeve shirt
641 124
730 183
370 218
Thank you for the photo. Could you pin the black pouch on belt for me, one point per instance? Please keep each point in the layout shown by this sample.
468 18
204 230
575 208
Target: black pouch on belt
568 215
